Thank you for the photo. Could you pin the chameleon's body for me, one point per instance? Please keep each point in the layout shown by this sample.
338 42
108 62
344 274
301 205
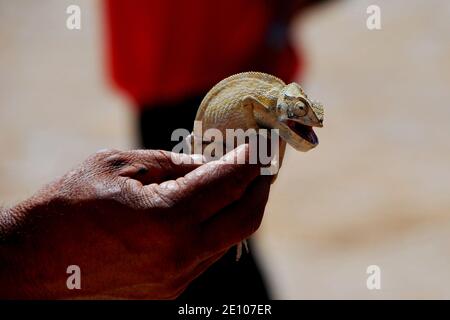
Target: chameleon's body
254 100
228 105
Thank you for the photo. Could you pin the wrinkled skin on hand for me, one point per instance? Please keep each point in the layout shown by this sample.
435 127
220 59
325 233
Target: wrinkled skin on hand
136 224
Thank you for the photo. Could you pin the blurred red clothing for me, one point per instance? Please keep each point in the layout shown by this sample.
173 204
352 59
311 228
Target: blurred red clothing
163 51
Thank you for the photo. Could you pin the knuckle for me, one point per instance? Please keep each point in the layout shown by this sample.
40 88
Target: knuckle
116 160
162 159
161 154
164 200
104 154
150 155
106 161
135 197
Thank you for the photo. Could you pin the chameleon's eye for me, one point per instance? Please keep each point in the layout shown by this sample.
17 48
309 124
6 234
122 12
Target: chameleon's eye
300 109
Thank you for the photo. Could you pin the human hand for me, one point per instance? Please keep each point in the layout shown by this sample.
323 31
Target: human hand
136 224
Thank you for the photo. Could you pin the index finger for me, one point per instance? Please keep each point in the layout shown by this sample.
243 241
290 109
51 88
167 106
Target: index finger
155 166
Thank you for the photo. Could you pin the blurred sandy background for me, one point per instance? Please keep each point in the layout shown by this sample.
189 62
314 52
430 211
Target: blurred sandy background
376 190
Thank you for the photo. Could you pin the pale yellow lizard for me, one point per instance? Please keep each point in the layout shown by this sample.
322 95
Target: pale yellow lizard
254 100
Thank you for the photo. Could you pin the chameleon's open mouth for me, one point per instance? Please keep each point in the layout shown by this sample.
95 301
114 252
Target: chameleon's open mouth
304 131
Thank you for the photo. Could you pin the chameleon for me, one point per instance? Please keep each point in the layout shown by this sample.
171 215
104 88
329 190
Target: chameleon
255 100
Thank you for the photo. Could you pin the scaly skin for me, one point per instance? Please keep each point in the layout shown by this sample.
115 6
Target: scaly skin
254 100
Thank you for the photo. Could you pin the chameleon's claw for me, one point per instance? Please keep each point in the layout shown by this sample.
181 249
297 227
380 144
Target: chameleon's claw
239 249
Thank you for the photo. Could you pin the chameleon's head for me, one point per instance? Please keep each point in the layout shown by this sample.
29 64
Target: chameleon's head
297 115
